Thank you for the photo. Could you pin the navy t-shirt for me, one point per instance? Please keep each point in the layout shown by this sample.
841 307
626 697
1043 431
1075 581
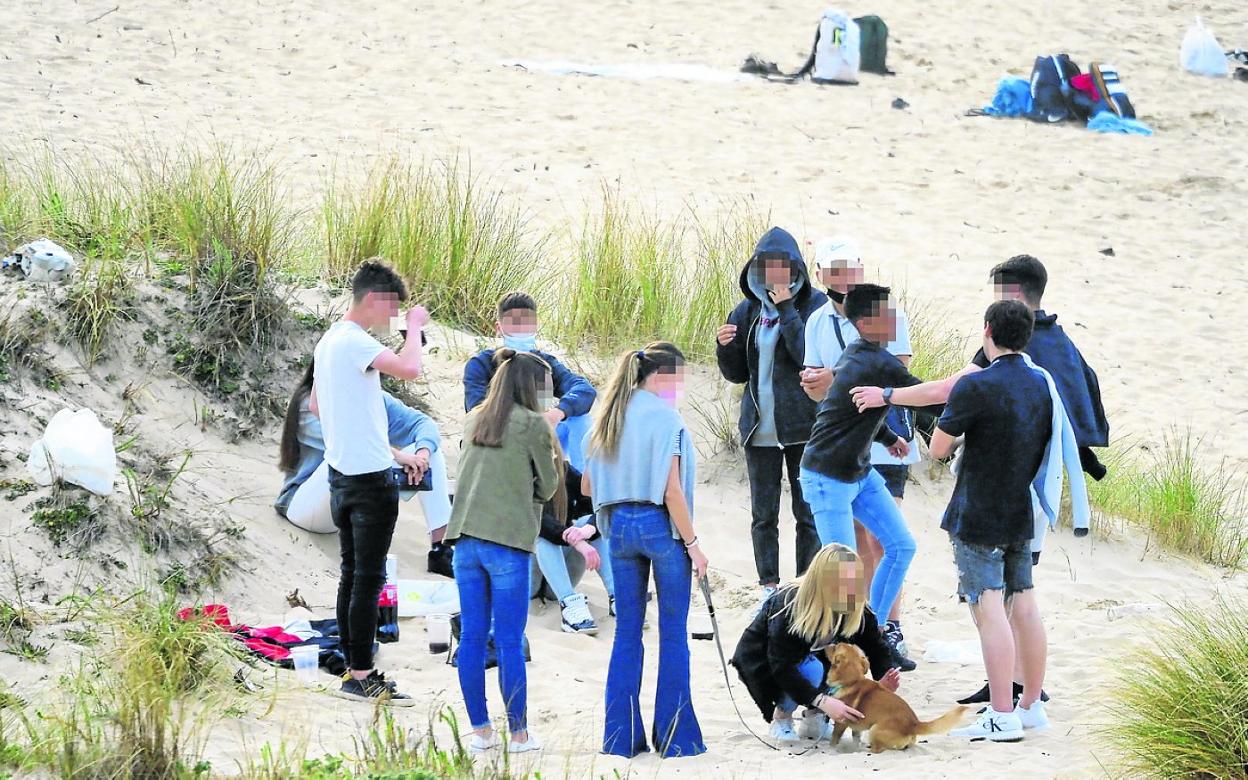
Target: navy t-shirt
840 441
1006 414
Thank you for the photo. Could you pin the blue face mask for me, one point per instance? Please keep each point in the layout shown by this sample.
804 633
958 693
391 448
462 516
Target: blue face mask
521 342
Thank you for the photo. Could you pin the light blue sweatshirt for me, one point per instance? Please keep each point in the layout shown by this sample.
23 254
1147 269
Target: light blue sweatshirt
1061 454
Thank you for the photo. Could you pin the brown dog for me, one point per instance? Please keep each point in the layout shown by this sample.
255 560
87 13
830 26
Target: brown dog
888 720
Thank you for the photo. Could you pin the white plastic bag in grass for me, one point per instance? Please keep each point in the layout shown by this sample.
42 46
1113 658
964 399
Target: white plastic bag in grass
1201 53
45 261
75 448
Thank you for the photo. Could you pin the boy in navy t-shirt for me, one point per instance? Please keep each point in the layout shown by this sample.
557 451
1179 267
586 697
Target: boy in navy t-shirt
1004 412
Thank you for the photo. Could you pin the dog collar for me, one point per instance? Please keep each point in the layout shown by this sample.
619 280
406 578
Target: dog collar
833 690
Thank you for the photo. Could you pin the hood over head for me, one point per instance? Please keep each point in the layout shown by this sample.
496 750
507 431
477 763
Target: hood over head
776 241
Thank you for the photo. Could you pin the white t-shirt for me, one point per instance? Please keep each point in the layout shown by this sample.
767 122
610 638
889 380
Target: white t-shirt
823 349
348 395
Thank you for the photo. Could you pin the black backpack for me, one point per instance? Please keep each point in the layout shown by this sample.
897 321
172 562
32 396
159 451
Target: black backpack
1050 87
873 42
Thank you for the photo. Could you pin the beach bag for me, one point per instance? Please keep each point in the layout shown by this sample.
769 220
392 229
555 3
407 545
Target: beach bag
1201 53
1050 85
837 54
1109 87
873 45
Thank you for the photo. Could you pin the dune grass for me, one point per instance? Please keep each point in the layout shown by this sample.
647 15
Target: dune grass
939 350
1178 708
458 242
1182 504
141 708
639 278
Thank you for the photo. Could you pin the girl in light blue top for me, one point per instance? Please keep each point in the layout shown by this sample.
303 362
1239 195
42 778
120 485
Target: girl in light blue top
639 472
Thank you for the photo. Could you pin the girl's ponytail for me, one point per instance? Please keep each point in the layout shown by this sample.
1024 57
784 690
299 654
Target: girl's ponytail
631 370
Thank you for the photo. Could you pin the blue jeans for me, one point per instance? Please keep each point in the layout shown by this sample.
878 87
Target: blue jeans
554 567
571 433
493 583
835 504
641 538
812 670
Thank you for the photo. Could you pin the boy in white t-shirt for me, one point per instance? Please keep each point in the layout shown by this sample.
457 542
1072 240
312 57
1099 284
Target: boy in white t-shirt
839 266
364 498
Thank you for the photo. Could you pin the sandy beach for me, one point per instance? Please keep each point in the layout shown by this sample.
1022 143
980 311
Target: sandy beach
934 197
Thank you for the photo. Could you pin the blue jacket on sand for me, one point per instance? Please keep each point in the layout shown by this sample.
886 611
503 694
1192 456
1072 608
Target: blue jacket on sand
780 393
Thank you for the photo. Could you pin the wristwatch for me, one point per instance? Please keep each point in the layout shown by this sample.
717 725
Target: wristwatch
888 396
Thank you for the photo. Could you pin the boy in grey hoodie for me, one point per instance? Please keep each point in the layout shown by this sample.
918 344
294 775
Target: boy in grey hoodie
762 345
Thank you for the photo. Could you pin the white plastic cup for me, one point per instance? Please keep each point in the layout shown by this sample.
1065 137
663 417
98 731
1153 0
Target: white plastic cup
438 627
306 658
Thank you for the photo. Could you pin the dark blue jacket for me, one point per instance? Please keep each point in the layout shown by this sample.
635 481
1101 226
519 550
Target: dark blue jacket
738 361
576 395
1051 349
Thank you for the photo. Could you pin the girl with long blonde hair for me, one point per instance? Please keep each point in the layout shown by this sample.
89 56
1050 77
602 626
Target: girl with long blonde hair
640 471
780 656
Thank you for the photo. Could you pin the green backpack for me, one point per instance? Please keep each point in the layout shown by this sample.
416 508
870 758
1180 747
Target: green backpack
873 41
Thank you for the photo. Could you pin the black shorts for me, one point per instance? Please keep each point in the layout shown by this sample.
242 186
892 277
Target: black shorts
895 478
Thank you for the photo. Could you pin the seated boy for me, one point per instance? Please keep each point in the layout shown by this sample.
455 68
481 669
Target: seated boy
517 325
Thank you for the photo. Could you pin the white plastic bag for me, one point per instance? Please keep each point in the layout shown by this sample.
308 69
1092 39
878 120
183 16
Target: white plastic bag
45 261
75 448
1201 53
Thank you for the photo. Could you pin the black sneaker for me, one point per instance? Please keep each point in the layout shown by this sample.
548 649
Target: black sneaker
374 688
983 697
893 639
440 560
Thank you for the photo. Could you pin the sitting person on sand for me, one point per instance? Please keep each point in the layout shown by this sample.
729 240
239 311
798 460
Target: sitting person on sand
571 524
573 394
414 442
780 656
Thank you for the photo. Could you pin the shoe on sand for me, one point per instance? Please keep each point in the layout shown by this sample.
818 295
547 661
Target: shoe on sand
992 726
1033 718
813 726
527 746
374 688
576 618
982 696
782 731
478 744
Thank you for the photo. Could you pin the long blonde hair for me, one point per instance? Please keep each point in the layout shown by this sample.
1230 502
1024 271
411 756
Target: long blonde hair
632 369
817 611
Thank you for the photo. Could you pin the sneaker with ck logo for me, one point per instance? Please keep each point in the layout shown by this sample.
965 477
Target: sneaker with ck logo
992 726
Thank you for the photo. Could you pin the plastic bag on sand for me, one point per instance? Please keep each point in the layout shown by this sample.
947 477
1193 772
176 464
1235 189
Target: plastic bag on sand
966 652
75 448
1201 53
427 597
45 261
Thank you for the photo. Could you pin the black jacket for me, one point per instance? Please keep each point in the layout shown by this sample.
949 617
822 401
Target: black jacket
738 361
768 654
578 506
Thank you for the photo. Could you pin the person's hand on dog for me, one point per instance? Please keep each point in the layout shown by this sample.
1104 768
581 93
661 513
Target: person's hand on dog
838 710
891 680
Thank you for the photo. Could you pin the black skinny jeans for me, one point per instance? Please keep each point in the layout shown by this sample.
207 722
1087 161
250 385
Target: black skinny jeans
365 508
764 465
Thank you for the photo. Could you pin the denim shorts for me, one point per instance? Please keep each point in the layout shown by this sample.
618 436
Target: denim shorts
895 478
981 568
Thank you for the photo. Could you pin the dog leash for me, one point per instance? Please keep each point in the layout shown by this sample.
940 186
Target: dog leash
705 583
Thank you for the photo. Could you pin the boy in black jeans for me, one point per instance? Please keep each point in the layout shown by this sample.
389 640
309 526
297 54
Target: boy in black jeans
364 501
763 346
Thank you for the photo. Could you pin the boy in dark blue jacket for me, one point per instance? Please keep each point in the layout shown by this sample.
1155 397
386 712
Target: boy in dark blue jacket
763 347
574 395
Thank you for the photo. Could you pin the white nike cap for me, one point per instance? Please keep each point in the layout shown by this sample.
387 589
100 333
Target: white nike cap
837 252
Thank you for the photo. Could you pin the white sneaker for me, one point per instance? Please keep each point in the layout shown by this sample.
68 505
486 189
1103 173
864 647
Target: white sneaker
813 726
768 592
576 618
1034 718
782 731
478 744
524 747
993 726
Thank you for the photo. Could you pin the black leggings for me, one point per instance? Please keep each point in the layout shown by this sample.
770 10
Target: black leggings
365 508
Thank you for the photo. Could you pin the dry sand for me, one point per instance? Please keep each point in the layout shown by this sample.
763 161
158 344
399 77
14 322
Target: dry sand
934 196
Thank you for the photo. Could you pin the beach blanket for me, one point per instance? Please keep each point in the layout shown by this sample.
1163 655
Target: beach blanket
636 71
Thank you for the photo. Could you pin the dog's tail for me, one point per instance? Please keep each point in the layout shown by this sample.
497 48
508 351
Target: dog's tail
942 725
